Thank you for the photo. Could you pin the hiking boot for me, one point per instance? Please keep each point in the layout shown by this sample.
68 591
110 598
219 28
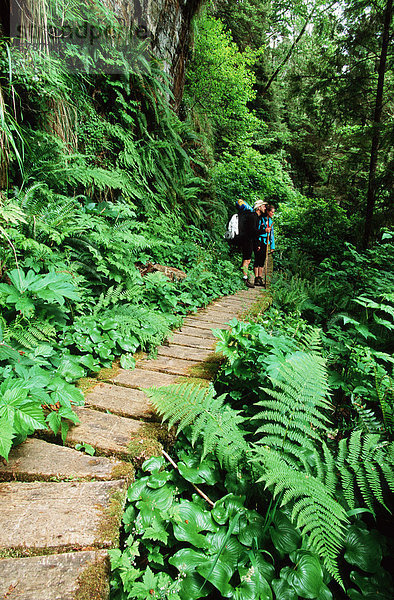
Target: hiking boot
248 283
258 281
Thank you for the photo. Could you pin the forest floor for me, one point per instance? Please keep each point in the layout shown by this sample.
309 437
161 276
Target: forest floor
62 508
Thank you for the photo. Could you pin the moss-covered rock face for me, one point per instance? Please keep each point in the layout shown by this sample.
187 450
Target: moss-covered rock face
109 527
150 442
93 583
168 26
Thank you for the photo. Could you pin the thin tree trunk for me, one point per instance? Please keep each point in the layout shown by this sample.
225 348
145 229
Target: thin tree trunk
286 58
371 194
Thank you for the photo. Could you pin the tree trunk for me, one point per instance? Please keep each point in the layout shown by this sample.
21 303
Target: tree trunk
371 194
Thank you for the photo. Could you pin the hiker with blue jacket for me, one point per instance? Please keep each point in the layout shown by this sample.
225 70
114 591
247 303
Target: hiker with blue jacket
266 241
250 224
262 234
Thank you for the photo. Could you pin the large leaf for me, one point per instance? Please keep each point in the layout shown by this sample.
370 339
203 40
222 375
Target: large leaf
283 534
190 520
306 577
363 548
253 586
283 590
379 585
199 472
186 561
6 437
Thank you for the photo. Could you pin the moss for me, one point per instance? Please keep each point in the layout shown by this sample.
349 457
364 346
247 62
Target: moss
86 384
149 442
110 373
203 382
108 529
27 552
258 307
123 470
208 368
93 584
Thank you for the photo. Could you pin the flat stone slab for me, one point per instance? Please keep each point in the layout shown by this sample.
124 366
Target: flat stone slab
184 352
121 401
204 324
48 516
56 577
192 341
113 435
200 332
141 378
172 366
38 460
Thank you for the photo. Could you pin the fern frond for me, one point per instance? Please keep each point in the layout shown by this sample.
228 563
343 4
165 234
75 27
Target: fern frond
367 418
297 407
315 511
362 461
216 423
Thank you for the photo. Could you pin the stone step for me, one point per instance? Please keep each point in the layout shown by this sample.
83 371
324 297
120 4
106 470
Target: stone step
38 460
69 576
217 321
141 378
191 341
172 366
200 332
204 324
112 435
51 517
121 401
184 352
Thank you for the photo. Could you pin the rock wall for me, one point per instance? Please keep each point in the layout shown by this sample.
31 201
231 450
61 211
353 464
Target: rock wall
168 24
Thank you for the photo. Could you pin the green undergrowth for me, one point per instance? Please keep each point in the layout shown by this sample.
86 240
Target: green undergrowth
293 447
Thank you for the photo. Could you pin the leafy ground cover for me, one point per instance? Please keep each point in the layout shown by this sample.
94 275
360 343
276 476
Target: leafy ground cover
292 445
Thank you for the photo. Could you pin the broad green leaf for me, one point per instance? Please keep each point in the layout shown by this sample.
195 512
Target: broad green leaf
253 586
226 507
54 421
158 478
283 590
283 534
218 573
363 548
161 498
306 577
153 464
127 361
371 587
232 550
135 490
70 369
6 437
196 472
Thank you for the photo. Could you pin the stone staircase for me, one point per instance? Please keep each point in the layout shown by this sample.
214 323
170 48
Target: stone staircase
60 508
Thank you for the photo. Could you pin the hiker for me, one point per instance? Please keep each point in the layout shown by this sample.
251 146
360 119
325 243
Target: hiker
250 223
266 240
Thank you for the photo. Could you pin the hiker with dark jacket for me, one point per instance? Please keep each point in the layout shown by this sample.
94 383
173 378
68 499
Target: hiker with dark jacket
250 224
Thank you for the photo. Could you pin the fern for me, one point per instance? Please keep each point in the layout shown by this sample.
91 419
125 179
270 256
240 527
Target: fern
213 421
365 462
296 409
315 511
29 334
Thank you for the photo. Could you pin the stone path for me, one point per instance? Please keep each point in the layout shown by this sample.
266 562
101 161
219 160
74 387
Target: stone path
60 508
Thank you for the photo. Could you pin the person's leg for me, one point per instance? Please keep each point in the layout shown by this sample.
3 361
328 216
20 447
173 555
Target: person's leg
245 267
246 258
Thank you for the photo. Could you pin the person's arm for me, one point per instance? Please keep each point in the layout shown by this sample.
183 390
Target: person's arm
272 238
243 206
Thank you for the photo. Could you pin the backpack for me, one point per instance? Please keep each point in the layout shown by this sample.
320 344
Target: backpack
232 231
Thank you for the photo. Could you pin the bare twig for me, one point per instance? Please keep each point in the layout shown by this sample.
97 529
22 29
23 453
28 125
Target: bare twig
168 457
